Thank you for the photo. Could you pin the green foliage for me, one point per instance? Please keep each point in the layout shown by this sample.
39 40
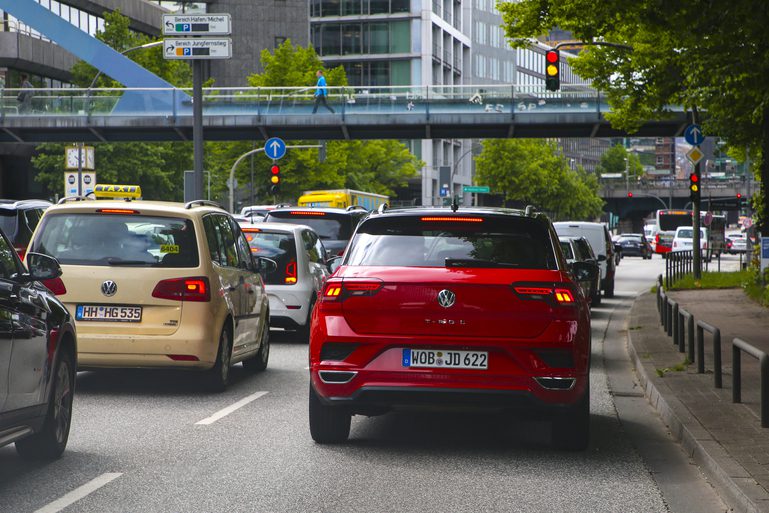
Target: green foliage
157 167
706 55
614 161
534 171
294 66
712 280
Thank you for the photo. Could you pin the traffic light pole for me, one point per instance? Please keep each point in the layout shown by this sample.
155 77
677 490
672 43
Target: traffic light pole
697 251
252 152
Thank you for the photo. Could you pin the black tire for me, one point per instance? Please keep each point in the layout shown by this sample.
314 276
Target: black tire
595 298
219 375
328 424
571 429
608 290
303 333
258 362
50 442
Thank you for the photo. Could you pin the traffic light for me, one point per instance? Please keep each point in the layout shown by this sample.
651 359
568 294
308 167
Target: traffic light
552 70
629 194
742 201
275 179
694 187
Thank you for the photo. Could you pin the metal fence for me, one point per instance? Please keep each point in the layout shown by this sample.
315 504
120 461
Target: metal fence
677 265
672 318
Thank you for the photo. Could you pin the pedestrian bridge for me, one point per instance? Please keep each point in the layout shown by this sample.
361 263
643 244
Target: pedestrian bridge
406 112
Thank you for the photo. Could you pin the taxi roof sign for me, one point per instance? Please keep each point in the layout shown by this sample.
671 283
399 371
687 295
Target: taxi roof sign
117 191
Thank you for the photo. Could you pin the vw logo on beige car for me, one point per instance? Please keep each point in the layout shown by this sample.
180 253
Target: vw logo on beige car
446 298
109 288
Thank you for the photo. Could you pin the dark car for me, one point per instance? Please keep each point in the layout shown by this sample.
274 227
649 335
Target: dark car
38 357
473 309
334 226
18 219
635 244
577 249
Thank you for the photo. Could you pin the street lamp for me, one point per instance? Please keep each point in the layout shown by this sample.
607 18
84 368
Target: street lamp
473 147
146 45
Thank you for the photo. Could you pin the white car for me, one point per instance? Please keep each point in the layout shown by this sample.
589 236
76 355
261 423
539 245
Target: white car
739 242
302 270
684 239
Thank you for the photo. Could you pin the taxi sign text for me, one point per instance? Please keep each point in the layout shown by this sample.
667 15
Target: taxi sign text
117 191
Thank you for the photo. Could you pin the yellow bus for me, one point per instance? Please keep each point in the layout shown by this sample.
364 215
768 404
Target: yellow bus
341 198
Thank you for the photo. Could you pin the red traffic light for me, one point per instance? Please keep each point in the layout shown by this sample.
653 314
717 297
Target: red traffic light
739 195
275 169
694 178
629 194
551 56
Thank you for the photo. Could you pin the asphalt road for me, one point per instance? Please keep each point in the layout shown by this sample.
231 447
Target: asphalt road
157 442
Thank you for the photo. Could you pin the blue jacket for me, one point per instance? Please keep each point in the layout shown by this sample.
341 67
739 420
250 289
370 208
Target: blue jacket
320 88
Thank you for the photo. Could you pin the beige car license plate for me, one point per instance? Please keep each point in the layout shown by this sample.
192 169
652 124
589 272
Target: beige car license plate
108 313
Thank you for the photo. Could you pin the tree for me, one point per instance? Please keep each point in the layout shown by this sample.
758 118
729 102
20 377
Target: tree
707 55
617 160
157 167
372 166
534 171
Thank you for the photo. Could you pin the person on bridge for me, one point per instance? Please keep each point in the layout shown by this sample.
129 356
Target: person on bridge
25 96
321 92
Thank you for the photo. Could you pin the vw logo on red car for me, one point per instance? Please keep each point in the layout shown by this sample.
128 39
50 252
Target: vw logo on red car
446 298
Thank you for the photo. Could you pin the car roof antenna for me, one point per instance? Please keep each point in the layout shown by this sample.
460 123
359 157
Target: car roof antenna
454 203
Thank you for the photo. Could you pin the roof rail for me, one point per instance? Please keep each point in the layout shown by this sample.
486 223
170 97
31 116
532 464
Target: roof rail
381 209
355 207
282 205
67 199
530 210
202 203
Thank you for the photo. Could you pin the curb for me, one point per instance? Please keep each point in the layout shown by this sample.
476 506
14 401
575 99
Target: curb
730 479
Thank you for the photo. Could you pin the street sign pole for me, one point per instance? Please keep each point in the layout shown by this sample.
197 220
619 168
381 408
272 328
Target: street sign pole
197 127
696 226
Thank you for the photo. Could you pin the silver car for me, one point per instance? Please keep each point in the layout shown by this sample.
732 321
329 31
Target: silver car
301 271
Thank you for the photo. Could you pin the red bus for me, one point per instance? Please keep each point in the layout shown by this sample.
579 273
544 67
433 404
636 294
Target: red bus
667 222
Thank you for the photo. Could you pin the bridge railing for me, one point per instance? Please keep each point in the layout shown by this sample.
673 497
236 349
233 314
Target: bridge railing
465 99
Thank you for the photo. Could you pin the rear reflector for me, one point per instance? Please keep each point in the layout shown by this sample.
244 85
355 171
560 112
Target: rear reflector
294 307
184 289
56 286
53 341
183 357
447 219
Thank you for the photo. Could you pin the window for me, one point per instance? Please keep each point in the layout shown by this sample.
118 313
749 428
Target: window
310 241
221 240
376 38
351 38
351 7
330 39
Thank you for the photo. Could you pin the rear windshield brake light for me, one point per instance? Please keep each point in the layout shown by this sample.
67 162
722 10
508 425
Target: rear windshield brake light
448 219
117 211
306 213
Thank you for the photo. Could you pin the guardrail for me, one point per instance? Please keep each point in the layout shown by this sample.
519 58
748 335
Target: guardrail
677 265
738 347
672 318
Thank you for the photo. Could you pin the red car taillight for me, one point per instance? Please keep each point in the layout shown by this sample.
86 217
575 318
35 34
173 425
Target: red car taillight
339 289
56 286
290 273
558 293
184 289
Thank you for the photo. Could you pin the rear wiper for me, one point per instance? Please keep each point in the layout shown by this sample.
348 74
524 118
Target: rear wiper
118 261
471 262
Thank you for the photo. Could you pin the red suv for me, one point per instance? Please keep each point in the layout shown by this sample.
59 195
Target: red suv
473 308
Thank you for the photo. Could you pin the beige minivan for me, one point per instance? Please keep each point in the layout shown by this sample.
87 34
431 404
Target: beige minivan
155 284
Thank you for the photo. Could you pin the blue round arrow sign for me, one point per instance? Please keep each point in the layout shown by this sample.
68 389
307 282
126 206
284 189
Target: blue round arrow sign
275 148
693 135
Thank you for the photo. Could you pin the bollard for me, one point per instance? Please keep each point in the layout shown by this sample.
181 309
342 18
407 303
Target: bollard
676 311
680 332
739 345
690 336
669 318
702 326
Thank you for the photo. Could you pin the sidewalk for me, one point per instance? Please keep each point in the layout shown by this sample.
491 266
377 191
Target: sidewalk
725 439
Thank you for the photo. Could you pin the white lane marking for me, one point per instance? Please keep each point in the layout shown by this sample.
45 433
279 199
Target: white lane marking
226 411
78 493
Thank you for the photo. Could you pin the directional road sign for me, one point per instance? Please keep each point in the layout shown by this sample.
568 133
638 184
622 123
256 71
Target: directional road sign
275 148
197 48
196 25
476 188
693 135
